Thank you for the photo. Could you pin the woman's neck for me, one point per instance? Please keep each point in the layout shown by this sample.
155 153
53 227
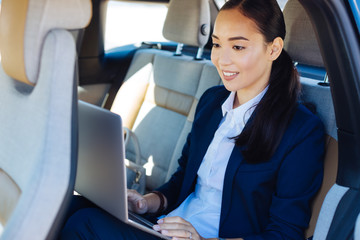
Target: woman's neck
243 95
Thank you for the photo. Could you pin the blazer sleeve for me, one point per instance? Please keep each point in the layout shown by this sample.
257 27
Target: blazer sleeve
299 179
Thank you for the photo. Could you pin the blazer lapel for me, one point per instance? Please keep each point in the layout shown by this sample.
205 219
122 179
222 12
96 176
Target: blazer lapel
208 123
204 138
234 163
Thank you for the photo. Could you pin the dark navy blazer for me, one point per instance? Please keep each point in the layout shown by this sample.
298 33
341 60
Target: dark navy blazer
269 200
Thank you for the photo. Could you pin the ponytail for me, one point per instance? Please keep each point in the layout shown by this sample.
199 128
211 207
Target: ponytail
263 134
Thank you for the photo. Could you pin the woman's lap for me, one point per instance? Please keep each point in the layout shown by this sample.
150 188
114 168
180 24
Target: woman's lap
94 223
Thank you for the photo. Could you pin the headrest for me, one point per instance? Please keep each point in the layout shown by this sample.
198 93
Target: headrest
300 40
188 22
24 25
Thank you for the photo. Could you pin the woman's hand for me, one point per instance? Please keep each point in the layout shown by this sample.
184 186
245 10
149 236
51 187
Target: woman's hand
136 202
177 228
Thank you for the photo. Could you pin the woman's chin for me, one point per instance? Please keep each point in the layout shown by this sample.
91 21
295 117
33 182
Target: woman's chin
230 87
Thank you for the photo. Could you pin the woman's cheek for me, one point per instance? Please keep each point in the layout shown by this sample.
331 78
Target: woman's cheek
214 56
245 61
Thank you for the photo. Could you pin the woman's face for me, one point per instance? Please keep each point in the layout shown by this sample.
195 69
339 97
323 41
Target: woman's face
241 55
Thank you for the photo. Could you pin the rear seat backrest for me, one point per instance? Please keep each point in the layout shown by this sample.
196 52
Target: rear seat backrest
160 93
165 99
302 46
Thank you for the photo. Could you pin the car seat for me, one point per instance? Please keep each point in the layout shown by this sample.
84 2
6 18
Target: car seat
38 132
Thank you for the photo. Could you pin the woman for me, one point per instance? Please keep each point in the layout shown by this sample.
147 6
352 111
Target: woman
253 159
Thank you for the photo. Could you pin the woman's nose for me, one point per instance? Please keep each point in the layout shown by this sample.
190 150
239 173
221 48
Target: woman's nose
224 58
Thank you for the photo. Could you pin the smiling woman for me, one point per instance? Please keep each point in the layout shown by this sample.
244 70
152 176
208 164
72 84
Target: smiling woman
249 56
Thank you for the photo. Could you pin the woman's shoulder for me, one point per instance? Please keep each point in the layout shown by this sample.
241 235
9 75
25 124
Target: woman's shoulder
305 113
218 90
211 101
214 95
304 128
305 120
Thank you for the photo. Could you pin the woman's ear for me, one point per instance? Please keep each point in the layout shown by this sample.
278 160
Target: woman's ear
275 48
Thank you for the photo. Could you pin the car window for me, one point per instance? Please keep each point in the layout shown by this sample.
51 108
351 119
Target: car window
132 22
219 3
355 6
282 3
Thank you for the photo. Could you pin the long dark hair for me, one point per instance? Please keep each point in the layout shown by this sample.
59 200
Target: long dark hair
262 135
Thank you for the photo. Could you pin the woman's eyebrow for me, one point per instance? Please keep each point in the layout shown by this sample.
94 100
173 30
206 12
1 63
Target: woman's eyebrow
232 38
238 38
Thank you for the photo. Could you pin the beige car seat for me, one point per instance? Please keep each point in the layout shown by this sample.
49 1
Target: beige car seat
38 132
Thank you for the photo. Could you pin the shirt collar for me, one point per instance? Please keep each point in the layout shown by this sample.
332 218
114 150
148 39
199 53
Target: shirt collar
245 110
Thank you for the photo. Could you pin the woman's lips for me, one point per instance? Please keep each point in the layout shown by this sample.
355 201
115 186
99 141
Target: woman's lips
229 75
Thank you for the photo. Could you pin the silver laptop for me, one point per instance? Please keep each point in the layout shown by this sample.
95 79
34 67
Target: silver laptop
101 175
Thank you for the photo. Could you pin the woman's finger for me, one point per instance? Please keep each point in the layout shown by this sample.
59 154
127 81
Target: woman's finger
177 227
177 233
173 220
136 202
172 226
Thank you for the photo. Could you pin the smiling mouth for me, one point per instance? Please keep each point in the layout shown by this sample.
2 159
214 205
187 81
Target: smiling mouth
230 75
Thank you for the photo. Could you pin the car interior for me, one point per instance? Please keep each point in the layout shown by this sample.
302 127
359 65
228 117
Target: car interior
155 88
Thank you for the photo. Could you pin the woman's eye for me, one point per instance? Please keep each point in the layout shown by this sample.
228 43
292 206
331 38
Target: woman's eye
216 45
238 48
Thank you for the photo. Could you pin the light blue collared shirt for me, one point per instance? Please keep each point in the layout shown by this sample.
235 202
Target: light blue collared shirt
202 207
